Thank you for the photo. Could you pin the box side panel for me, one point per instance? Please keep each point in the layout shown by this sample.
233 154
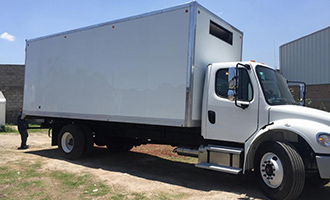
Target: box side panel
210 49
130 71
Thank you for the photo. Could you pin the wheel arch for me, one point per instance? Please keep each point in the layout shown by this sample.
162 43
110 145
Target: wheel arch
294 137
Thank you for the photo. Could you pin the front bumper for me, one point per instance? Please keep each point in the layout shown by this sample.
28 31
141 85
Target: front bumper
323 163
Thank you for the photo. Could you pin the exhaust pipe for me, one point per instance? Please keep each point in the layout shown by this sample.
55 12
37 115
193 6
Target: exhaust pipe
186 151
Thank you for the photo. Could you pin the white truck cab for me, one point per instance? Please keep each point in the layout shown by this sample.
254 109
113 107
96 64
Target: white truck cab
250 103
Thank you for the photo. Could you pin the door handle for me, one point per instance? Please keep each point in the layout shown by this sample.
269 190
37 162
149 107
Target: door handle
211 116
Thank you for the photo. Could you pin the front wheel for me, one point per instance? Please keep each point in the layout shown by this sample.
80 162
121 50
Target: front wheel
280 170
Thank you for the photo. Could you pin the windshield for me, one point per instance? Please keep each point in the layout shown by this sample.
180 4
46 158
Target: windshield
274 86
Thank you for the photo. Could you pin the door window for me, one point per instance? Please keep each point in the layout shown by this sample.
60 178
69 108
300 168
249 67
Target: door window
244 90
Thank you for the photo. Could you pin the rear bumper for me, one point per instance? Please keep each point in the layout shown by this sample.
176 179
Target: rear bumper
323 164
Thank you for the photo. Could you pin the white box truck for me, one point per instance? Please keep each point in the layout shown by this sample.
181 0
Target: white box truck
175 76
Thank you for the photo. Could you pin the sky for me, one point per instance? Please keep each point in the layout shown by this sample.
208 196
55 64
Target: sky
266 24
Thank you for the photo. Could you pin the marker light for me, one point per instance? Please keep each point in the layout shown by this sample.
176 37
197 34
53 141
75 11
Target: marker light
252 60
323 139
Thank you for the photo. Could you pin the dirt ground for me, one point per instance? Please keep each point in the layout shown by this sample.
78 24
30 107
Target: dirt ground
149 169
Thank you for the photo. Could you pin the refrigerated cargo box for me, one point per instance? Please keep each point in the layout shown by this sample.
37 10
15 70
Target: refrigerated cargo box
146 69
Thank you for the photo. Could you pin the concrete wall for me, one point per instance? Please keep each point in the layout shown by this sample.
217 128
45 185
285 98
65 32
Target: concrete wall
318 96
12 86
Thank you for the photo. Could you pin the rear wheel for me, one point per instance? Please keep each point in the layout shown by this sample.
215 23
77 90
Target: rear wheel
71 142
89 141
117 145
280 170
99 140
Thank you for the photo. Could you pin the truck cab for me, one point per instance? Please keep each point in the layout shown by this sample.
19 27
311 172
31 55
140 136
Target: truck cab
250 104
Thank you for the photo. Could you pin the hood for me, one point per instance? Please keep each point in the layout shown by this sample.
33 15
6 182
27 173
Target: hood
298 112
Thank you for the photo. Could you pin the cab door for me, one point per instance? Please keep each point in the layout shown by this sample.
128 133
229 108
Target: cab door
223 119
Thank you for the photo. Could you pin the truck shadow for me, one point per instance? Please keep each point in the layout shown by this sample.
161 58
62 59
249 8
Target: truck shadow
176 173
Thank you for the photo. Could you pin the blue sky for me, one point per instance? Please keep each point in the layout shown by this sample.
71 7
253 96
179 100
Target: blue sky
266 24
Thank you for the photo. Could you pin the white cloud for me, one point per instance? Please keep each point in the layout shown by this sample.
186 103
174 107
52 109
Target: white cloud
7 36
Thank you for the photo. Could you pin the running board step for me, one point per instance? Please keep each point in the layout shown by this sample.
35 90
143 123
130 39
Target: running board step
223 149
210 166
221 158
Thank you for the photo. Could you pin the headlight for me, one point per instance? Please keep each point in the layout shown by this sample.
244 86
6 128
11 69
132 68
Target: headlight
323 139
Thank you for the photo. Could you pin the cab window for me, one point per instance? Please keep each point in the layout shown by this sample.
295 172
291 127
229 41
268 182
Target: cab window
244 90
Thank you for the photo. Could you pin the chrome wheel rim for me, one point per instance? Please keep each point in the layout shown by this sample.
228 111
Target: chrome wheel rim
271 170
67 142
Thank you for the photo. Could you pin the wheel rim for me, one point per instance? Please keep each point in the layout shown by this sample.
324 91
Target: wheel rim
271 170
67 142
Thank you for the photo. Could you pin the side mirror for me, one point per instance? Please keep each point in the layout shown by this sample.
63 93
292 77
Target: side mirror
233 84
302 91
302 94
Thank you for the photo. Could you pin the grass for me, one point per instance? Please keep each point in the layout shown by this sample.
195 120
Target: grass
36 130
7 129
26 180
11 128
164 196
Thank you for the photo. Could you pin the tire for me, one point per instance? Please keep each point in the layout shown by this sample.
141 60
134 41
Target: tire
118 146
99 140
71 142
280 170
89 141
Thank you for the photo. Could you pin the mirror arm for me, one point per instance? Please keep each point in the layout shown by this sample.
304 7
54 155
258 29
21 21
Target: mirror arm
243 106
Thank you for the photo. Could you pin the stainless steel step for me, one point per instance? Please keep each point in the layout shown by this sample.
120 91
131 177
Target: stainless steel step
223 149
219 168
